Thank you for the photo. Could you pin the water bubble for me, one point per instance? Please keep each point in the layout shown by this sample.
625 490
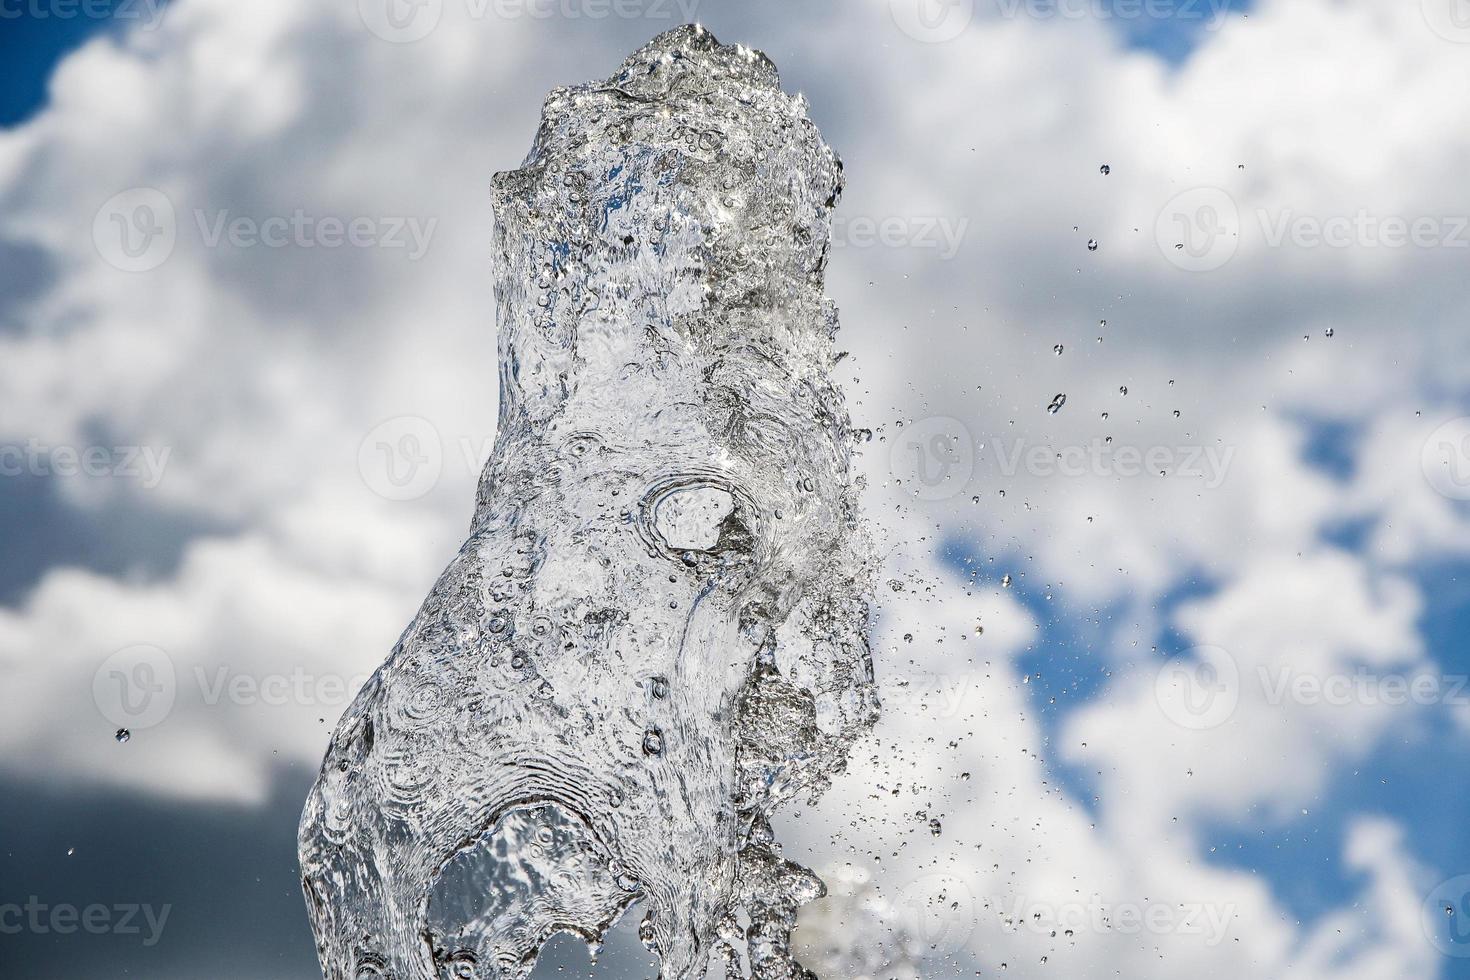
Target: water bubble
653 742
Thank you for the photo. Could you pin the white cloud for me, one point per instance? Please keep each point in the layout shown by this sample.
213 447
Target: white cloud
263 370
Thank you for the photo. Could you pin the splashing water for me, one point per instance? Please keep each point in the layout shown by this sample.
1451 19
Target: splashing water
656 632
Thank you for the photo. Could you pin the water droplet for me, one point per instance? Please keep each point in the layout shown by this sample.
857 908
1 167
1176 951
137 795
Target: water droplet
646 934
653 742
935 829
1105 170
123 735
1057 350
1005 582
1056 404
660 688
1092 244
1122 389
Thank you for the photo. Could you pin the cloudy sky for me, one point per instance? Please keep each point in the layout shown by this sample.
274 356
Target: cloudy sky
1157 311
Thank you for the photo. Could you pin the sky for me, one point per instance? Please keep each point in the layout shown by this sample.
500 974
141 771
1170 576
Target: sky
1175 528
